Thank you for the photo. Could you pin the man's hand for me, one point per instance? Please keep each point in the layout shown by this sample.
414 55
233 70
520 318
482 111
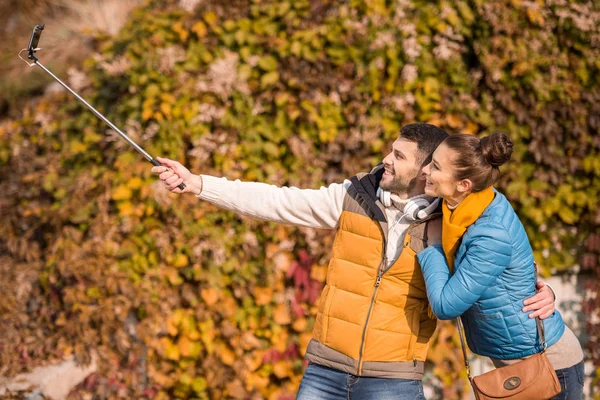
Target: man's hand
174 174
434 232
542 304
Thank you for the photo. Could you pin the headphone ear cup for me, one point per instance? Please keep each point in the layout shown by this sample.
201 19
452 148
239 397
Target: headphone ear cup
385 197
429 209
413 207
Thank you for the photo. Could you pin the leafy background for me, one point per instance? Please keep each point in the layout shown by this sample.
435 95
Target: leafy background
178 299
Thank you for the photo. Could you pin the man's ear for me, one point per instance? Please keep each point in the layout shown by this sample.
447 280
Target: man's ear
464 185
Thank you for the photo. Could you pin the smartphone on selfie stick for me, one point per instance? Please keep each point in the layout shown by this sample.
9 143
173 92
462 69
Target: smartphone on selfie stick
33 48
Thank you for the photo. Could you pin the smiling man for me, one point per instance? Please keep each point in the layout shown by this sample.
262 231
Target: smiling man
373 319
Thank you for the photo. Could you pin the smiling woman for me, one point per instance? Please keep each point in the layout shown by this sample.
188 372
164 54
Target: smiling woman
484 268
465 164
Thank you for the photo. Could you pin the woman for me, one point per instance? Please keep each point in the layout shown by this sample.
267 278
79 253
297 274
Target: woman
483 268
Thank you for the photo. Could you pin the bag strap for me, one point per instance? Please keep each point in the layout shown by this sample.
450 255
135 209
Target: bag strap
461 330
461 333
538 321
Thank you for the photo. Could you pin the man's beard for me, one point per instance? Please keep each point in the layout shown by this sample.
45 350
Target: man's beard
399 186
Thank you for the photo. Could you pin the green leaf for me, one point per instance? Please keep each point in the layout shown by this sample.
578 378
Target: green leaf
269 79
267 63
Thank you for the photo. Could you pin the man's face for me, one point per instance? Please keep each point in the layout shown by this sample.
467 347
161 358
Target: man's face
402 167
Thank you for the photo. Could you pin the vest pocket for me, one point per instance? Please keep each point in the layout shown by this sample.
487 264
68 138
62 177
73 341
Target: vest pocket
323 299
326 310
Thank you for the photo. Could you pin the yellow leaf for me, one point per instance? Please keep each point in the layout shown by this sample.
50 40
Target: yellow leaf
454 121
199 29
188 323
181 31
299 325
535 15
161 379
254 360
199 385
171 327
210 296
269 78
147 114
319 272
471 128
235 390
193 334
226 355
181 260
263 295
210 18
168 98
125 208
188 348
77 146
436 120
280 339
61 320
121 193
178 316
248 341
173 276
227 307
281 315
282 369
135 183
303 341
165 108
171 351
257 381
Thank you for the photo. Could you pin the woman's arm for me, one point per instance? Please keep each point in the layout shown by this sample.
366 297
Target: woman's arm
451 295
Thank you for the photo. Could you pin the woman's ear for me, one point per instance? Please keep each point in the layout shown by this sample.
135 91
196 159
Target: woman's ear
464 185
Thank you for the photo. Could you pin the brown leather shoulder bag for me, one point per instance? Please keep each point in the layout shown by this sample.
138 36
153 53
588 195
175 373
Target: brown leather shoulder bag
530 379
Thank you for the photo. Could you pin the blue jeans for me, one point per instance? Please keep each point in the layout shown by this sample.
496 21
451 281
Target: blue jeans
323 383
571 382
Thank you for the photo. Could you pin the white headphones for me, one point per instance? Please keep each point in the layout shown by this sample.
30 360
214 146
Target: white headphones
415 209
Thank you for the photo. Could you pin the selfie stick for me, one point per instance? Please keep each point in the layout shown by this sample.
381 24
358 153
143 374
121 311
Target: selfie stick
37 31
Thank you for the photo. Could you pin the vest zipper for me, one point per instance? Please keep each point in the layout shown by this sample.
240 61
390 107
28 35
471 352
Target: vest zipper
383 268
362 341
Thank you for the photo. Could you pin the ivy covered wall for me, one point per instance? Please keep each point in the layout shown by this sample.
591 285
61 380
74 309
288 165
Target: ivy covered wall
181 299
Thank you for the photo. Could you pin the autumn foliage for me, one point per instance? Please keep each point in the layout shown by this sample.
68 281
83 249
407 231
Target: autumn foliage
179 299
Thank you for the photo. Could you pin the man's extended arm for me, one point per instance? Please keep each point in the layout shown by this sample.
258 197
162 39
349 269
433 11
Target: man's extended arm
319 208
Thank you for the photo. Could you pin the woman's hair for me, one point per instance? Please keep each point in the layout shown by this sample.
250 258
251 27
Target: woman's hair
479 159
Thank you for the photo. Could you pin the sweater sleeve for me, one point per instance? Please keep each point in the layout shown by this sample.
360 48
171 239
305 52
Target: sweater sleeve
319 208
487 255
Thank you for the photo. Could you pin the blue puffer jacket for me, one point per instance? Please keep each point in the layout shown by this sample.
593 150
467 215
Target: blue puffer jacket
494 273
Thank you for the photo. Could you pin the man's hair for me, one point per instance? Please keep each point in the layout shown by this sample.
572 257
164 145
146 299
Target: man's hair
428 137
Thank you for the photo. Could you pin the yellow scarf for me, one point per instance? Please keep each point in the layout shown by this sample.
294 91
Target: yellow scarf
455 222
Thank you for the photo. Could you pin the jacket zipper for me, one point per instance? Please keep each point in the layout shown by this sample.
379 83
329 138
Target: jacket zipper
377 283
383 268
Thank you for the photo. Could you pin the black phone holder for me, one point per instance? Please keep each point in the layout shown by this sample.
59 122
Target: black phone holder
33 42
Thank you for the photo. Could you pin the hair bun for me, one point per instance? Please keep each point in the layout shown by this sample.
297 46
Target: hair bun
497 148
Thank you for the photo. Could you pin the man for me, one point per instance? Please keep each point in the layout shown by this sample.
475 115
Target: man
373 317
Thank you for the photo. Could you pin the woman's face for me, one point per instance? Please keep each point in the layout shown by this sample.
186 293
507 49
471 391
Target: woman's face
439 174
